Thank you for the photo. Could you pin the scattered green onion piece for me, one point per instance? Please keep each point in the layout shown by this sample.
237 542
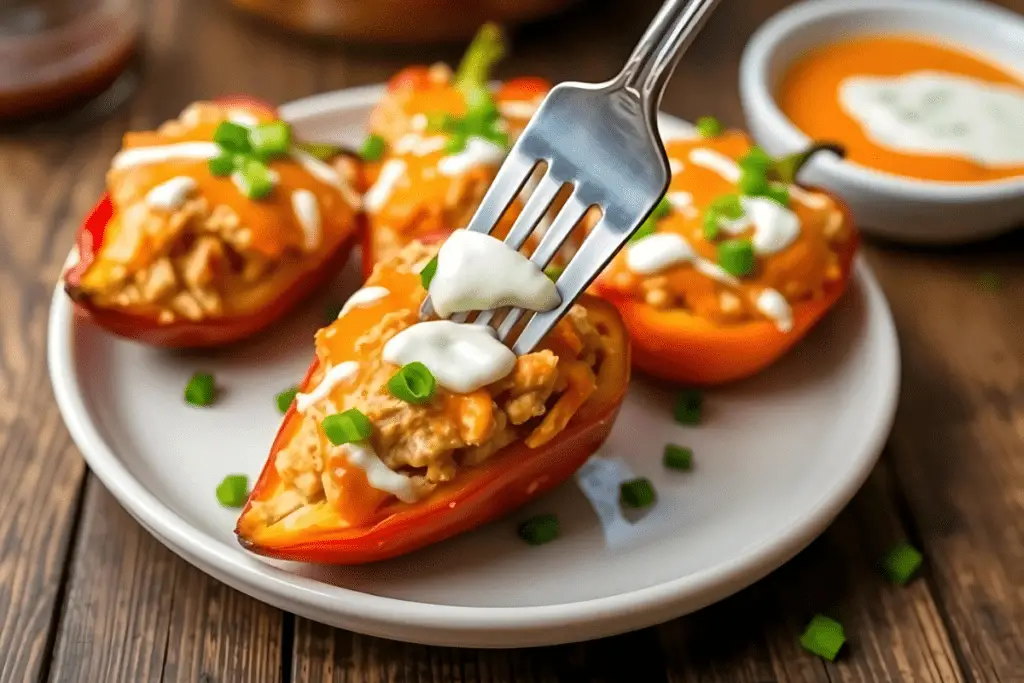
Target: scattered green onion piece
233 491
200 390
711 227
483 114
662 209
646 229
990 281
901 563
269 140
753 182
321 151
350 426
637 493
778 193
540 529
427 274
222 165
786 168
823 637
439 122
373 148
285 398
254 179
678 457
688 407
232 137
456 143
414 383
554 272
709 127
728 205
736 257
498 137
755 159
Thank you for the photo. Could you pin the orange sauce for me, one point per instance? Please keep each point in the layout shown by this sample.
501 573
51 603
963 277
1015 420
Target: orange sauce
808 95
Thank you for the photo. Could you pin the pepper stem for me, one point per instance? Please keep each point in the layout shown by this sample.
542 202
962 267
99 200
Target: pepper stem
474 70
786 168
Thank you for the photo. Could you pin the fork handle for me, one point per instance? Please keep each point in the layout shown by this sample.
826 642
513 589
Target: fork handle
654 58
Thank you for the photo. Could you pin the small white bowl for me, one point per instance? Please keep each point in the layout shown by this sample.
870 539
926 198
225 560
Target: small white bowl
887 205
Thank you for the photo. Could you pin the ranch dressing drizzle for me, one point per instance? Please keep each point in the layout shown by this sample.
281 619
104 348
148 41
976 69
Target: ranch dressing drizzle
325 174
417 145
332 378
775 226
461 356
928 112
717 162
379 475
775 307
171 195
307 213
182 151
476 272
478 152
517 109
391 173
363 297
661 251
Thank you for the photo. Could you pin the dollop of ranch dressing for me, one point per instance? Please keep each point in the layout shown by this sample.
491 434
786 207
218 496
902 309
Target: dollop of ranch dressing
775 226
775 307
341 372
171 195
942 114
476 272
379 475
363 297
661 251
478 152
182 151
462 357
391 173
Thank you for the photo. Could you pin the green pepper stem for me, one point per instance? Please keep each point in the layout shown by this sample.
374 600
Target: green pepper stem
785 168
482 54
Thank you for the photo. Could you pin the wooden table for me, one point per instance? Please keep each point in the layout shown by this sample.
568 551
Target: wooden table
88 595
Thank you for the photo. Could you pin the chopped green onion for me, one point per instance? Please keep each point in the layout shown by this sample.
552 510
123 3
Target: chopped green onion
456 143
990 281
554 272
285 398
254 179
200 390
222 165
728 205
778 193
269 140
755 159
709 127
414 383
901 563
711 227
482 115
540 529
233 491
350 426
322 151
753 182
688 407
440 122
637 493
786 168
646 229
373 148
232 137
823 637
427 274
736 257
498 137
474 70
662 209
678 457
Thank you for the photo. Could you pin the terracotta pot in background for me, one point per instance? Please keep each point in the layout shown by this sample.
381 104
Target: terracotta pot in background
400 21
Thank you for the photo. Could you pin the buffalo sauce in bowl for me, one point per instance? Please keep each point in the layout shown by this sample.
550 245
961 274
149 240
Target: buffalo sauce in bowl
911 107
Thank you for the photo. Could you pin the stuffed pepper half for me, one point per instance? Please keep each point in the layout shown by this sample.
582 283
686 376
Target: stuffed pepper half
436 141
212 227
405 433
733 267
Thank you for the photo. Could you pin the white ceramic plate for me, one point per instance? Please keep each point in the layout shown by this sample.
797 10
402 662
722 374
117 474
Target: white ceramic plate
775 461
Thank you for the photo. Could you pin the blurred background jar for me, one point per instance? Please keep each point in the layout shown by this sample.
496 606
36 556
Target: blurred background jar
398 21
56 54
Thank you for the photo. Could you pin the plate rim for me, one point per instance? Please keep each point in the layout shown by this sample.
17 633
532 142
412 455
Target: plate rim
459 625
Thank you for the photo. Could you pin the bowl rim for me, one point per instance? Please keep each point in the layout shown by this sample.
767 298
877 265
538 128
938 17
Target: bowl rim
758 98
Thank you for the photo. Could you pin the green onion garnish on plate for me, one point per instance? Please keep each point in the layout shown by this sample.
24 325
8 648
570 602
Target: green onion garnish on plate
709 127
687 410
637 493
554 272
662 209
414 383
540 529
823 637
233 491
350 426
678 457
269 140
232 137
736 257
200 390
901 563
372 148
254 179
285 398
222 165
427 274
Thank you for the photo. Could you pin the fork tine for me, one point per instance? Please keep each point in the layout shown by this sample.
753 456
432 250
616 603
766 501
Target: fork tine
506 186
533 211
597 250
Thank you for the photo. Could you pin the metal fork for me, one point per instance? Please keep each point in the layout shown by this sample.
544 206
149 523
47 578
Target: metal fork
601 139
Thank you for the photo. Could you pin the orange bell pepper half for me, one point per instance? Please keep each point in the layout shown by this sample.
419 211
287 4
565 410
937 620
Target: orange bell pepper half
476 495
680 347
203 333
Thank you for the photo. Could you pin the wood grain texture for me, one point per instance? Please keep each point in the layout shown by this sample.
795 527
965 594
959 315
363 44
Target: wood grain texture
88 595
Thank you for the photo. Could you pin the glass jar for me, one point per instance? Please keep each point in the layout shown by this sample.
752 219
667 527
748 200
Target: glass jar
55 53
407 21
